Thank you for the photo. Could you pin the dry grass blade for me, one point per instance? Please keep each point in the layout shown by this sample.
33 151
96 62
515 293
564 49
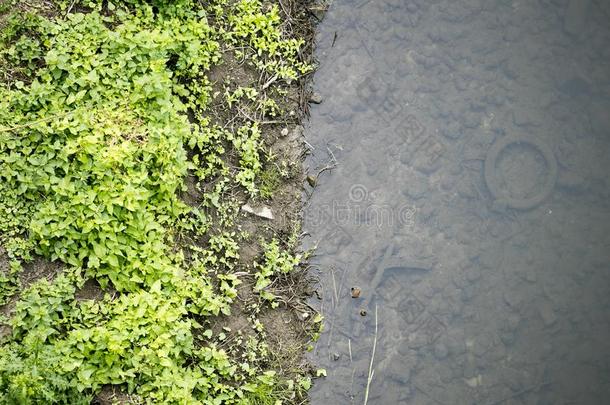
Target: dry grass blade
371 370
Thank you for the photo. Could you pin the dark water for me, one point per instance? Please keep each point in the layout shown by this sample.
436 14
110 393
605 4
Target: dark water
470 202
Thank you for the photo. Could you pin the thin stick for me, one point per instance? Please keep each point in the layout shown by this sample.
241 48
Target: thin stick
333 163
371 371
330 152
349 349
308 144
332 272
269 82
341 283
245 114
69 8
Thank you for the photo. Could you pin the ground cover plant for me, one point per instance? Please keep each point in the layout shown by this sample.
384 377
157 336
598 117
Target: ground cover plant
131 133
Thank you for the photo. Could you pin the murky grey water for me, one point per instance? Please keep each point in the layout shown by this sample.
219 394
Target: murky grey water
470 202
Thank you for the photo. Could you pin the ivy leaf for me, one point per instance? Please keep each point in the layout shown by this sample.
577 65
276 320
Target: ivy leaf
99 249
112 260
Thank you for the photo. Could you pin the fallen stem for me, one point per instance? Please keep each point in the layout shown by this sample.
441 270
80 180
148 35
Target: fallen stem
371 371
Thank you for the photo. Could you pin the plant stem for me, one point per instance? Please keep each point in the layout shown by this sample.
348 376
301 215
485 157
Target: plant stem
371 371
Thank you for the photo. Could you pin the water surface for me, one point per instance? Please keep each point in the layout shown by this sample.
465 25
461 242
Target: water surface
484 277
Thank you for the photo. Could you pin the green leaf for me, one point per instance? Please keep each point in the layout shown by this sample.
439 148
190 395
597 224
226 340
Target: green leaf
112 260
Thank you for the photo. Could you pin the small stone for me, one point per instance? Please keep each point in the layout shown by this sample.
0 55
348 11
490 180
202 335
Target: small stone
466 189
488 259
468 293
571 181
412 7
315 98
452 131
336 356
514 299
547 313
513 322
470 120
469 369
474 381
508 338
473 274
356 292
510 70
363 312
416 187
263 212
297 132
311 180
456 346
284 132
598 116
440 351
446 375
546 349
523 117
575 19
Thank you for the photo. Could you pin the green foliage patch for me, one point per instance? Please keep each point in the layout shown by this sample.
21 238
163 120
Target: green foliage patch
95 144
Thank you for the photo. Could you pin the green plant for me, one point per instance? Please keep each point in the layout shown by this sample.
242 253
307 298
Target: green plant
271 179
272 52
275 262
96 138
